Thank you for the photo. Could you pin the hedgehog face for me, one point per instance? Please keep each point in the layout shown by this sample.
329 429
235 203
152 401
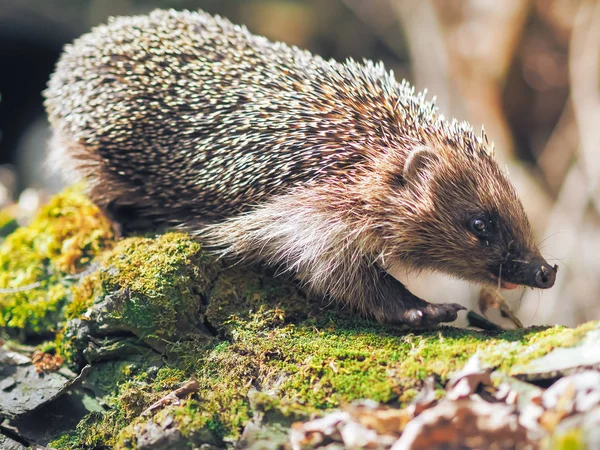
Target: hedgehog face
511 259
469 222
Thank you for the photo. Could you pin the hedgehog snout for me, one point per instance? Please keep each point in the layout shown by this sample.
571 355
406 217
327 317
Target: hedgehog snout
545 276
534 272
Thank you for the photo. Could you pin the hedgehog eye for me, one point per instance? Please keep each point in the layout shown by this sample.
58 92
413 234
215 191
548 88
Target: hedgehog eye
479 226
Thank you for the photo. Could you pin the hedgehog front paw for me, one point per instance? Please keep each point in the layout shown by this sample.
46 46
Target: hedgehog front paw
429 315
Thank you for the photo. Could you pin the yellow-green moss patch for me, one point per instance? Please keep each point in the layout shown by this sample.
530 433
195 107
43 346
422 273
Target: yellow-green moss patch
36 261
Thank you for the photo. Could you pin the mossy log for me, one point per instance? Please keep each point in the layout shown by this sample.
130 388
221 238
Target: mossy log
149 313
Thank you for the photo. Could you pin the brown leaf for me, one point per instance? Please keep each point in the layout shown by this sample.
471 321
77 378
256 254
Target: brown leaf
46 362
465 423
382 419
468 380
425 399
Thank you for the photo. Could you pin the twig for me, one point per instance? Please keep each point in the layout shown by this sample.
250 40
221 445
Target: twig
27 287
173 397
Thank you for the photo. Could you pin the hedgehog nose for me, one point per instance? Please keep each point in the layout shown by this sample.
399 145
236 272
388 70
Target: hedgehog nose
545 276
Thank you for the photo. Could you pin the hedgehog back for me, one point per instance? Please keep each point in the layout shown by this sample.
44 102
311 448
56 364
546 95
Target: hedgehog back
193 113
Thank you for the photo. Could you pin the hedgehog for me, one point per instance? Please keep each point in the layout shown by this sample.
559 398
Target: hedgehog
334 173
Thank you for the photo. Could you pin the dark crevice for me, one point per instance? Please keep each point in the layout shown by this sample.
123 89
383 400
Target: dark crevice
211 328
12 434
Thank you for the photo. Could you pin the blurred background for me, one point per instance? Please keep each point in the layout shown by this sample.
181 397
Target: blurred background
527 69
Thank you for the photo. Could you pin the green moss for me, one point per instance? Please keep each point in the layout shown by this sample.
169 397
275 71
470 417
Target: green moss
318 364
242 294
36 261
125 388
305 368
165 279
335 359
153 288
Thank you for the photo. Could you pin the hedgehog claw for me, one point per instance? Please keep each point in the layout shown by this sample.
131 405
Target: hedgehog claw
413 317
432 314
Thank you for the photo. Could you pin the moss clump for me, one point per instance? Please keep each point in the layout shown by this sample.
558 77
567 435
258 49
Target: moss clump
161 281
242 294
159 290
315 365
37 262
153 288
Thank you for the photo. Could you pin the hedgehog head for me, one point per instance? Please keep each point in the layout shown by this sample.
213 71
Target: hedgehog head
459 214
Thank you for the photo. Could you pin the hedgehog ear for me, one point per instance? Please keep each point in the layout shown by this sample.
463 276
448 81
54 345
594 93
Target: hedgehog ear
418 163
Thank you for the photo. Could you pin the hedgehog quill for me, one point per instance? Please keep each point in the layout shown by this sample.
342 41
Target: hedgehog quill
334 172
